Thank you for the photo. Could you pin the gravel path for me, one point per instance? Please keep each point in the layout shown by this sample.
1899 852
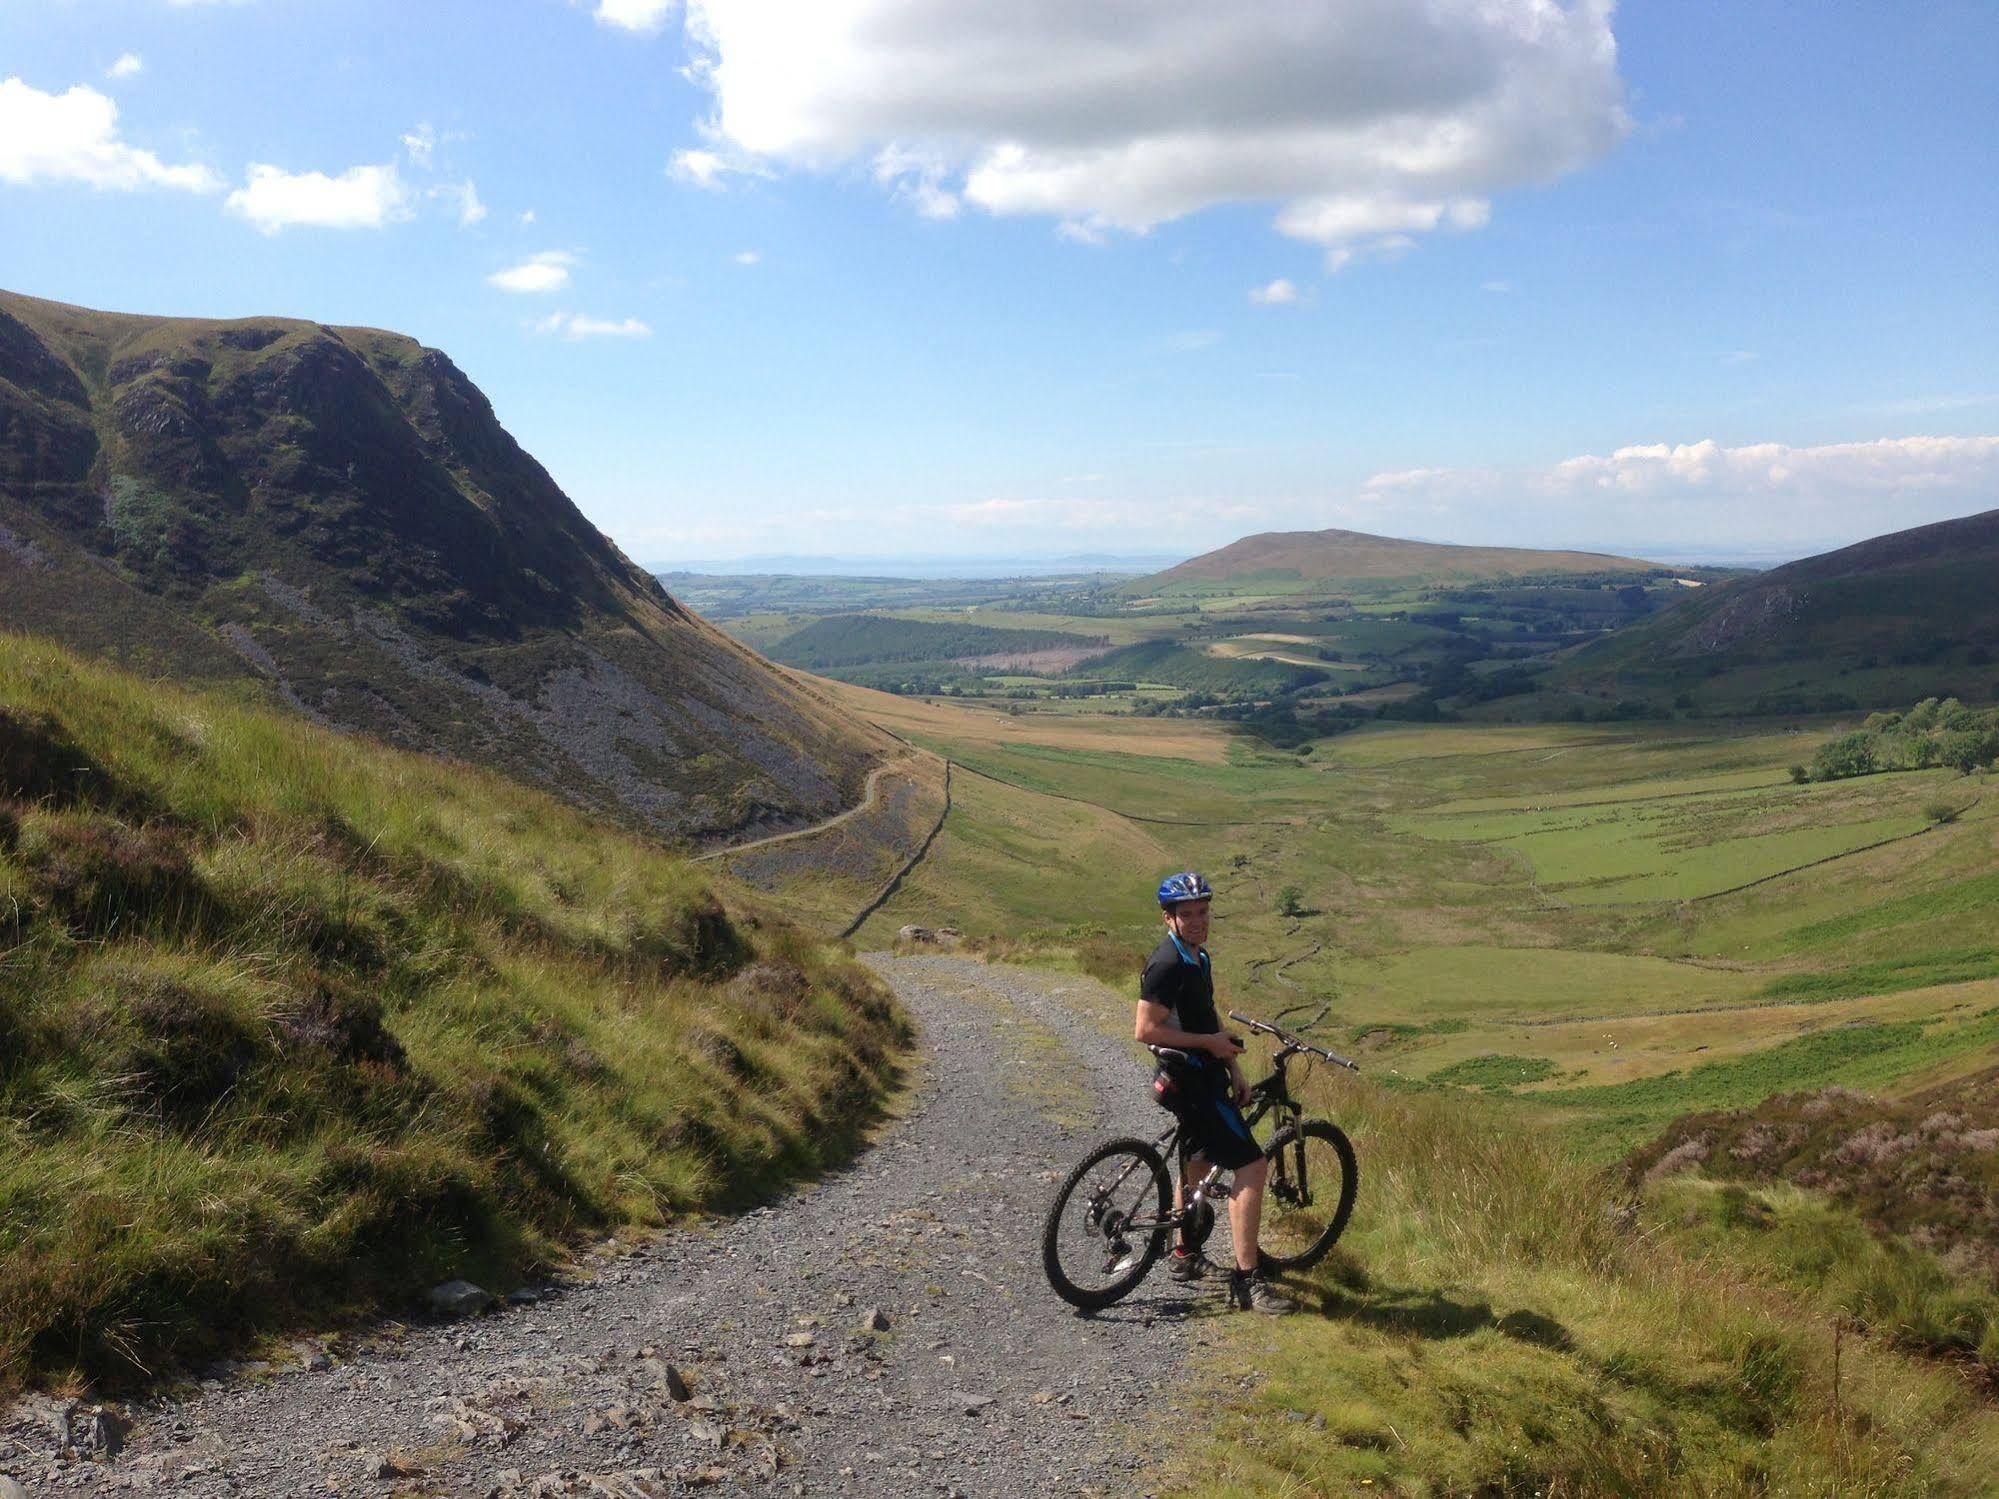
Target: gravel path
980 1383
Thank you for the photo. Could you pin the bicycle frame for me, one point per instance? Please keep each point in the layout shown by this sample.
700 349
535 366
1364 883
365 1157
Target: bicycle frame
1267 1095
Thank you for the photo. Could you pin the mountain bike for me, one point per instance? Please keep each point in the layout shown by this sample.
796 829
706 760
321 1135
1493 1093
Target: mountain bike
1113 1217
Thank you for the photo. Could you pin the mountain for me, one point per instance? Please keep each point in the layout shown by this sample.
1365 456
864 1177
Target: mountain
1882 623
335 517
1344 557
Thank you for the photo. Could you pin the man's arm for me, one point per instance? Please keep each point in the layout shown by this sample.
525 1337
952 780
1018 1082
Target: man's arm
1154 1027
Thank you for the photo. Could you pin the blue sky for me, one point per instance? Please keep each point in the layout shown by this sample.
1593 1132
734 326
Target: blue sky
977 286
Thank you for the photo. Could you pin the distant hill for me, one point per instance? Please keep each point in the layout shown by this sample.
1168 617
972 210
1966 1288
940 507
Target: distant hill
1343 557
1881 623
337 515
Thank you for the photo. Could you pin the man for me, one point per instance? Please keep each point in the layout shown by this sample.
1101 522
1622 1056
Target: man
1176 1008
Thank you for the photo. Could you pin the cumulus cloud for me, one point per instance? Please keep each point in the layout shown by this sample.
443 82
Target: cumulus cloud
128 65
421 144
634 15
546 272
576 326
74 137
1366 121
1763 494
1278 293
364 197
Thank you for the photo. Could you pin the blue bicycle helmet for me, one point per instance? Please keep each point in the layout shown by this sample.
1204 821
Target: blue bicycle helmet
1176 888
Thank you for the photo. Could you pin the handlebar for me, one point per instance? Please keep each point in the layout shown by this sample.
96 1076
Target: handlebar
1291 1042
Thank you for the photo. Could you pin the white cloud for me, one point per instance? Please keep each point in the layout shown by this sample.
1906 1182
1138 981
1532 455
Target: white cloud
1083 232
470 209
527 217
1278 293
1366 121
128 65
546 272
1189 340
634 15
73 137
421 145
748 257
917 178
702 168
576 326
364 197
1762 494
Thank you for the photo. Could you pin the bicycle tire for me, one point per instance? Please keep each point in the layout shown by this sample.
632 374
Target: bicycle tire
1315 1250
1088 1298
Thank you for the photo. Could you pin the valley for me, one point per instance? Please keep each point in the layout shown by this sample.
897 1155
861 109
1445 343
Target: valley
1652 941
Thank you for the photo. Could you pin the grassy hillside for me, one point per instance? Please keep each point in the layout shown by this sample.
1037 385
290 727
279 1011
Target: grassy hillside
1338 557
1498 1320
293 1026
334 518
1903 616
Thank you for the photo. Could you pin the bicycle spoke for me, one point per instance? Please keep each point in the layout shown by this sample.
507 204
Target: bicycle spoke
1107 1224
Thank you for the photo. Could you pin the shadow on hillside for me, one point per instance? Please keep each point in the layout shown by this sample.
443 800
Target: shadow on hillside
1423 1313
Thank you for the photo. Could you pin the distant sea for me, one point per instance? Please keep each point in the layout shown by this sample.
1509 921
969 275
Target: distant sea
920 567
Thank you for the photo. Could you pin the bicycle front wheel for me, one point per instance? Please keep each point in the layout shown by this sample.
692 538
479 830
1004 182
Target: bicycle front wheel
1107 1224
1309 1194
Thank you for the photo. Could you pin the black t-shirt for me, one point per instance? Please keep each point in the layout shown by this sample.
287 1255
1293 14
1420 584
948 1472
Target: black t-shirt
1186 988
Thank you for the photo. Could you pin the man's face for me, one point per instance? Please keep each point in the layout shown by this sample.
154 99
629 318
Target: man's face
1189 921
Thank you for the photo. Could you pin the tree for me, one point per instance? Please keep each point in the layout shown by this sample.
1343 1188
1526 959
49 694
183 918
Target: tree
1291 901
1848 755
1967 749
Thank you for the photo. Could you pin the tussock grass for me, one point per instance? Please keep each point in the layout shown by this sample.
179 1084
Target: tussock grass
1499 1321
293 1026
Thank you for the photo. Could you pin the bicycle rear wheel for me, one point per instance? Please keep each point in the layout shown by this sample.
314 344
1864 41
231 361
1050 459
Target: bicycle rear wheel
1309 1195
1108 1224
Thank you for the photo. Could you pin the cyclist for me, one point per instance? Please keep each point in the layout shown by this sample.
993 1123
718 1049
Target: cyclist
1176 1008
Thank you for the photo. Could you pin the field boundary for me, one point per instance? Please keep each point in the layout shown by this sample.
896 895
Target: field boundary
895 881
1864 848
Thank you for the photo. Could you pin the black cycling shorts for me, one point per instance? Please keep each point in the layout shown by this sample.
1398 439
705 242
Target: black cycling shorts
1211 1126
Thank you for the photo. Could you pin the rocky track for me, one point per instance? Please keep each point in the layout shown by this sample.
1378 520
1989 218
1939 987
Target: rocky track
885 1331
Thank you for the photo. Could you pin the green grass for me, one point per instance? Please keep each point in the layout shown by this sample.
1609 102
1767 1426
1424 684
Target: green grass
1493 1070
1679 846
1609 1117
293 1026
1804 1243
1534 983
1487 1327
1918 970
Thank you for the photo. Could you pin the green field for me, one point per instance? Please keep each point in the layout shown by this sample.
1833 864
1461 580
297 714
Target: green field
1581 895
